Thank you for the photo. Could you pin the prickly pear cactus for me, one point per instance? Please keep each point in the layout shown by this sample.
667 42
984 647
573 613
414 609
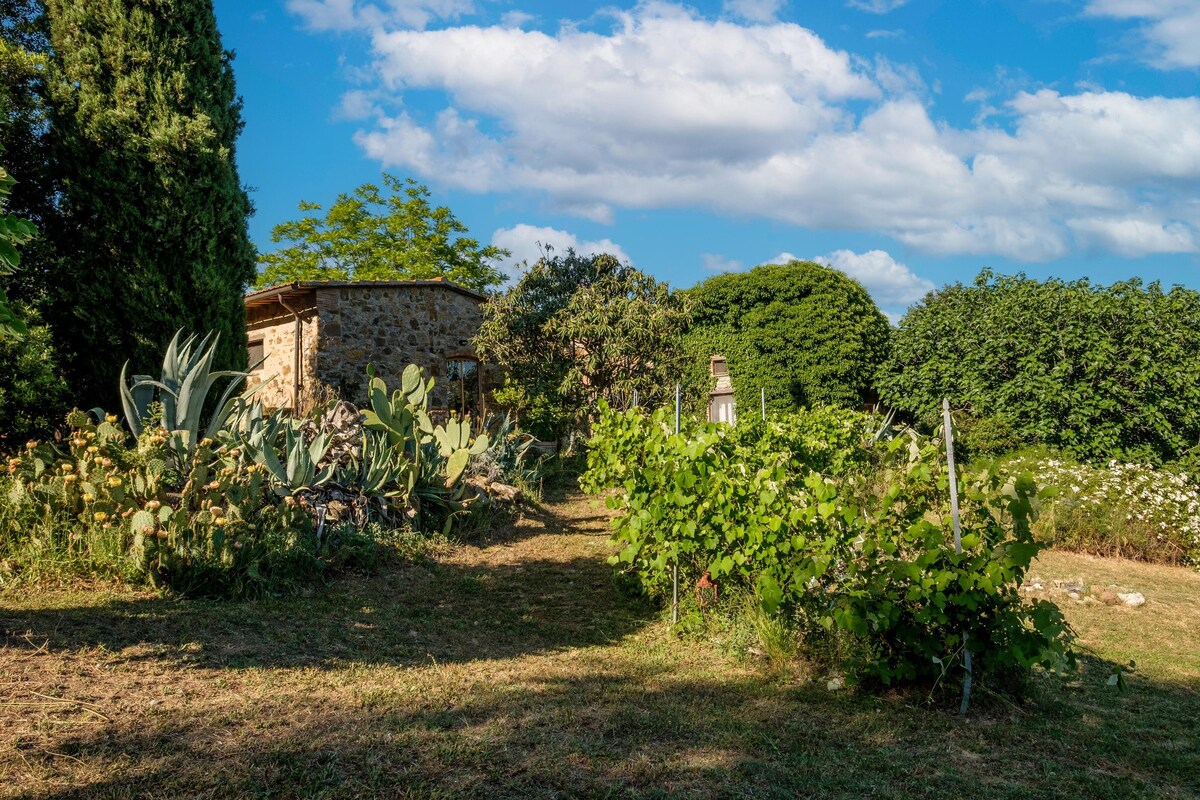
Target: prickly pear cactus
456 465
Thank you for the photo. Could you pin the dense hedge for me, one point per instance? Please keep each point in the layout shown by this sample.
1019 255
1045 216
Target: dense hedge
1099 371
806 333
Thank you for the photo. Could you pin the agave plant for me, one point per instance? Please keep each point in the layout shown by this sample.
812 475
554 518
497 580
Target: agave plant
507 452
301 471
182 390
380 472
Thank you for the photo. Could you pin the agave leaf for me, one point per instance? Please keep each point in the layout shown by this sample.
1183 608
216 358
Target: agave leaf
226 406
194 392
293 455
171 357
133 411
271 460
200 350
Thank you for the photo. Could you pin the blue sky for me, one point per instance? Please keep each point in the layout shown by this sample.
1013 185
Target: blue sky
908 143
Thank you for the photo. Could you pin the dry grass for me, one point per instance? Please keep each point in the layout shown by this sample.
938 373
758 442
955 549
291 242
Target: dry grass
515 667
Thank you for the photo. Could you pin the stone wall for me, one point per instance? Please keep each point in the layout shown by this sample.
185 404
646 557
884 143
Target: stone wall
276 328
391 327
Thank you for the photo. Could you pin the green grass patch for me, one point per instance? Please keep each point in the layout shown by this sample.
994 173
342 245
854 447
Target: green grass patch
516 666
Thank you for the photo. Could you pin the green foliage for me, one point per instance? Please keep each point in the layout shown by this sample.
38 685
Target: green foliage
439 455
379 471
23 48
858 544
370 235
251 503
1099 372
181 396
579 328
508 455
300 468
31 390
113 509
805 333
14 232
144 227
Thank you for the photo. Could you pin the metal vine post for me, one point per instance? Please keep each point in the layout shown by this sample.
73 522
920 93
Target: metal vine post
954 519
675 566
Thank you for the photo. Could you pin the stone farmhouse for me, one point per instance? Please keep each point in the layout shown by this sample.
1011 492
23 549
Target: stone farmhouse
315 334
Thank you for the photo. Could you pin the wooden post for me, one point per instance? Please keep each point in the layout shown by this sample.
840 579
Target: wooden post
763 395
954 521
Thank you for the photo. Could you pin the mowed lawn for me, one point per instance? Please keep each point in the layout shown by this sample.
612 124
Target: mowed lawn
514 667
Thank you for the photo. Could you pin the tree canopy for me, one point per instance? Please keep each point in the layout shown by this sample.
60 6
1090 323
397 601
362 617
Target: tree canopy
576 328
14 232
128 116
374 234
1100 371
805 333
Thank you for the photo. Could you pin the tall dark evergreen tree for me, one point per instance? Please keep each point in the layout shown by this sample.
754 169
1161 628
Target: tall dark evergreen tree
150 230
24 50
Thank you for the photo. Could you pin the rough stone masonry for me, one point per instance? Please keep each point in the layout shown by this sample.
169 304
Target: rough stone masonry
346 325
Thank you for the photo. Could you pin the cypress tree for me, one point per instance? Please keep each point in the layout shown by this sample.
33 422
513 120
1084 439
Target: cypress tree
150 230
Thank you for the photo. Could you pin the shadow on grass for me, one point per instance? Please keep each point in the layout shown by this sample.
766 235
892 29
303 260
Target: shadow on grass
648 718
436 611
599 734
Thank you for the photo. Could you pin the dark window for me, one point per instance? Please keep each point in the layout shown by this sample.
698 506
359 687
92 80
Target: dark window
256 354
462 378
719 367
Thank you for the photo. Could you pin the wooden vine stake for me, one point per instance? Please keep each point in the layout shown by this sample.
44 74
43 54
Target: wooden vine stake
954 519
675 566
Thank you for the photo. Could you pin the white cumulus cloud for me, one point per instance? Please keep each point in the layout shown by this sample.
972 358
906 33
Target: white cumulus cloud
876 6
714 262
528 243
889 282
753 10
670 109
1171 28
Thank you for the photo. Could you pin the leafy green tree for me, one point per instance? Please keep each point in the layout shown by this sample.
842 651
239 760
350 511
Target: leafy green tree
14 232
1099 371
23 48
32 392
148 227
376 235
578 328
805 333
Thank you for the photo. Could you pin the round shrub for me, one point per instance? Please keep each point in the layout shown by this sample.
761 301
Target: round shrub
806 333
